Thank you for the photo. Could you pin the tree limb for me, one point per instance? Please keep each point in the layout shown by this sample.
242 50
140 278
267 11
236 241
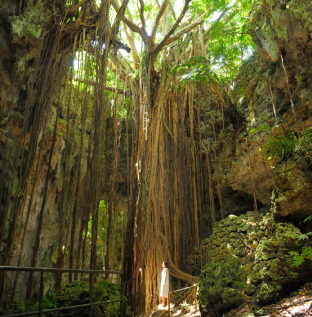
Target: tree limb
176 24
160 13
134 52
172 11
186 29
118 18
142 14
132 26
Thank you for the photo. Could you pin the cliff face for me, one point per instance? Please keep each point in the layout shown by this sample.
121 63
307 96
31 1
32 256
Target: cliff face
277 75
21 41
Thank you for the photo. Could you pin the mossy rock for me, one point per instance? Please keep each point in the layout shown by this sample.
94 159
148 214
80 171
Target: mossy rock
285 239
217 290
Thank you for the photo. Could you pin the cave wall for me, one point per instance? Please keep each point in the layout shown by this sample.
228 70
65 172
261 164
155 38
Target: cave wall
282 33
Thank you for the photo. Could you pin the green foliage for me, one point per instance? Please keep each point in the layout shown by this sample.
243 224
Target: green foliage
195 70
306 251
284 147
29 305
77 293
306 219
229 42
304 236
241 284
254 130
298 258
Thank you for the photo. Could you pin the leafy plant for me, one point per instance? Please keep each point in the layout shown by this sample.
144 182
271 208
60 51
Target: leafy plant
306 251
76 293
299 258
194 70
306 219
304 236
281 147
287 146
241 284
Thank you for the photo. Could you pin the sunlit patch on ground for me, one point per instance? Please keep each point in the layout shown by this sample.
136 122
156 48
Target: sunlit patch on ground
160 311
297 305
300 309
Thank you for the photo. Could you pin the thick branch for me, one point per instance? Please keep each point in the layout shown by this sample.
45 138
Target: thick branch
142 14
132 26
186 29
119 16
134 52
176 24
160 13
113 89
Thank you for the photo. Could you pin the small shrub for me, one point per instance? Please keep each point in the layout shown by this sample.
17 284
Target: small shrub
299 258
306 253
281 147
284 147
76 293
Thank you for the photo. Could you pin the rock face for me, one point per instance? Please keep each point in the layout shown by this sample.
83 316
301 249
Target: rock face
294 181
254 254
278 69
219 286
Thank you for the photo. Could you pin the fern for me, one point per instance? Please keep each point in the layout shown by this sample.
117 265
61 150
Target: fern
306 219
282 146
304 236
307 252
287 146
299 258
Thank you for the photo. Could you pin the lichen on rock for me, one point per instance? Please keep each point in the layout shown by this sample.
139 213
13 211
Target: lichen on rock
217 290
259 255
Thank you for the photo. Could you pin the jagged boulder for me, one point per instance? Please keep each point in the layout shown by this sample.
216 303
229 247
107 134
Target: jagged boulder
272 270
220 285
265 265
294 181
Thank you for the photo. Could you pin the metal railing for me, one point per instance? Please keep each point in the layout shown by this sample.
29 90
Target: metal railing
182 289
134 298
42 311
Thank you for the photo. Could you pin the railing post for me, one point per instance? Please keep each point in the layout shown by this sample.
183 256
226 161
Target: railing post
91 294
121 294
195 294
169 304
41 294
134 307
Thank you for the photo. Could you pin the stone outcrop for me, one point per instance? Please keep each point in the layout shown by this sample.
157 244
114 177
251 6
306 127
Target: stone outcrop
294 181
219 287
254 258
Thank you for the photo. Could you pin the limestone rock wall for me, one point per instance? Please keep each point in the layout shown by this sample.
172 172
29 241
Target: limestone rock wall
277 75
260 251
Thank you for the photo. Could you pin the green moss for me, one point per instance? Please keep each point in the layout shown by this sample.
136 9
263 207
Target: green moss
15 186
216 284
